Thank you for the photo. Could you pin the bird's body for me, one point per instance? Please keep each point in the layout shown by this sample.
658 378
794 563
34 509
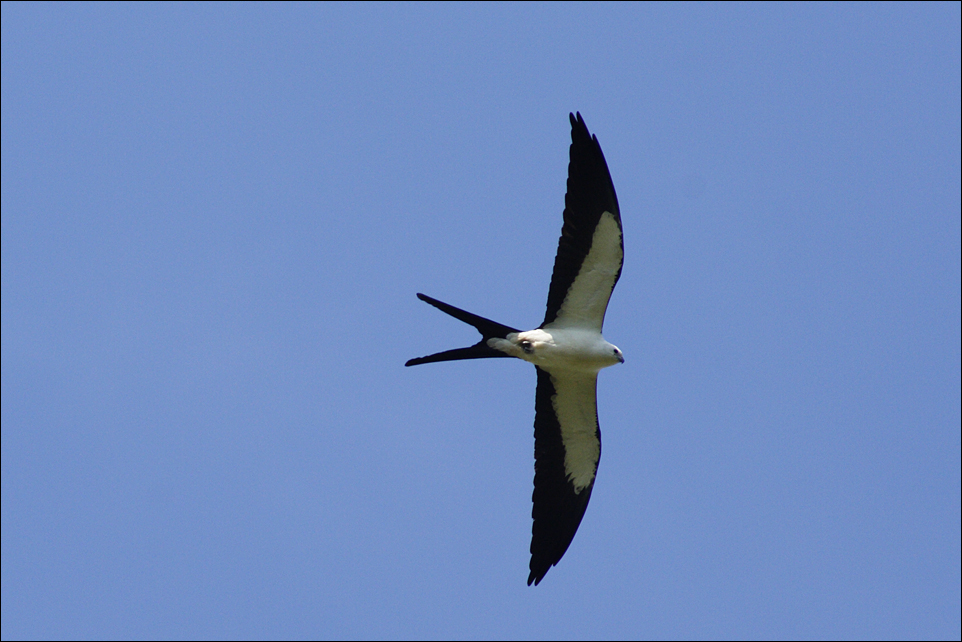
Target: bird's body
567 350
560 349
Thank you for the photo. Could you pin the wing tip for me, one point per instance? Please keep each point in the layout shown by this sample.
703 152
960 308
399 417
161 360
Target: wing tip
577 122
535 576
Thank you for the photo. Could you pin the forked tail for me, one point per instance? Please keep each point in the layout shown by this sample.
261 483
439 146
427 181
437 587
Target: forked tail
481 350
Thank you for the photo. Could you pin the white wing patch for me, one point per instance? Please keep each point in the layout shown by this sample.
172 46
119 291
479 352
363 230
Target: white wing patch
587 299
575 405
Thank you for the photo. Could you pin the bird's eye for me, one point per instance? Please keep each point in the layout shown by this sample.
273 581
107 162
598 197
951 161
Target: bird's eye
526 346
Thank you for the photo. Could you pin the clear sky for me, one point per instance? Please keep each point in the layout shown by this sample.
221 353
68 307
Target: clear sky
214 222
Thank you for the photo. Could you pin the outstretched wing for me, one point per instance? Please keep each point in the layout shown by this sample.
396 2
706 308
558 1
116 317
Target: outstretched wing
567 447
590 251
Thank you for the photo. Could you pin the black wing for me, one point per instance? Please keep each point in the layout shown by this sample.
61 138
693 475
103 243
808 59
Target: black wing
567 448
590 195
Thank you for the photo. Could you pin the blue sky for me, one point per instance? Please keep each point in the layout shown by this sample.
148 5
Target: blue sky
214 222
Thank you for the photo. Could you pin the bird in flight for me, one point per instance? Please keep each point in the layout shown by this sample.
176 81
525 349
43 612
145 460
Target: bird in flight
567 351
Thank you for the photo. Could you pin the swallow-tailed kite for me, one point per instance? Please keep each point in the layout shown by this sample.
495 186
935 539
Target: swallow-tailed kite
567 350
